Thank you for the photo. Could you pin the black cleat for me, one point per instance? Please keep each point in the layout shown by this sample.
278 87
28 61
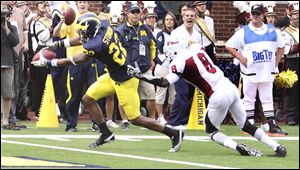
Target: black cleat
176 141
71 130
280 151
246 151
102 140
125 126
277 130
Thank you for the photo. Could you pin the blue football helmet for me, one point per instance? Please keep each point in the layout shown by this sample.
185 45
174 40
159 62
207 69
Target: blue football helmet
88 26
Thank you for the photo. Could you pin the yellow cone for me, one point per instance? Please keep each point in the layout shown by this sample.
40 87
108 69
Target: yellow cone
196 119
48 114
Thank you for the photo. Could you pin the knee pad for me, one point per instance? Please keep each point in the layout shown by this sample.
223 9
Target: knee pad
249 128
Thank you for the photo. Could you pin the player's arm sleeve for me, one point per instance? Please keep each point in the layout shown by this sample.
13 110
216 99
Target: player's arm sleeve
172 78
77 59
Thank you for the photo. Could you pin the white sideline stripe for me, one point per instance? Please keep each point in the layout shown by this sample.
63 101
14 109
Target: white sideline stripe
119 155
137 137
59 139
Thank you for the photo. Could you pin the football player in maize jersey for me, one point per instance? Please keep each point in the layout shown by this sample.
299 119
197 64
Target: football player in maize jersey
101 42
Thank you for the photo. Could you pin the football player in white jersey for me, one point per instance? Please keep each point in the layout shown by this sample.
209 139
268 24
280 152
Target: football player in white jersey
195 66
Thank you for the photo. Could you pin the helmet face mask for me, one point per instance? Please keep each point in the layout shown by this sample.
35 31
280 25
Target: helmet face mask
82 35
87 26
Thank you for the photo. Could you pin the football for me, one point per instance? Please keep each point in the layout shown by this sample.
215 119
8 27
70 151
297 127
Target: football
48 54
69 15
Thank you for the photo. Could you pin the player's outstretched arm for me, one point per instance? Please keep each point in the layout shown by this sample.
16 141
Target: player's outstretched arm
43 62
136 72
65 43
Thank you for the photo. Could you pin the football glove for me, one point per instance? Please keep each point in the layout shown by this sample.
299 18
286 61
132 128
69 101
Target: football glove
134 71
43 62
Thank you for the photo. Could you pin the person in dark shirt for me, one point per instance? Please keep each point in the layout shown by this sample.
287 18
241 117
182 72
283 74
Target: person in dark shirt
9 39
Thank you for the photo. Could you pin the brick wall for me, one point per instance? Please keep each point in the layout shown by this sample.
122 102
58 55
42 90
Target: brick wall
222 12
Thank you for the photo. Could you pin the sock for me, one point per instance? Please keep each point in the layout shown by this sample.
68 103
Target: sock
224 140
264 138
169 132
265 127
103 128
269 114
124 121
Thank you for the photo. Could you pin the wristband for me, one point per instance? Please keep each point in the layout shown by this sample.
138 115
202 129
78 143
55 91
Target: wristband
54 62
67 42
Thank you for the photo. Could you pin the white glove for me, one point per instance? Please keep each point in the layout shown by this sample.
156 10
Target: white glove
42 62
133 71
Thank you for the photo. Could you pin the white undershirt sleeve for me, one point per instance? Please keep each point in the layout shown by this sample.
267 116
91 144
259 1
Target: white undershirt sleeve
172 78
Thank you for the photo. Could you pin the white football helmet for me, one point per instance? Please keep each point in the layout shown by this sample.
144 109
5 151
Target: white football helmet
175 46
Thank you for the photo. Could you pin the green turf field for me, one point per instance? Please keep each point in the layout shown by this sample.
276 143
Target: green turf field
135 148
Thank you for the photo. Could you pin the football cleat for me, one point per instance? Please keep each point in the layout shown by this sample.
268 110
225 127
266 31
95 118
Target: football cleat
246 151
125 126
277 130
280 151
102 140
176 141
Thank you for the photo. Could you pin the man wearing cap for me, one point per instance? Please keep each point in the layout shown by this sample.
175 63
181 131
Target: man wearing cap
206 28
140 44
290 36
260 51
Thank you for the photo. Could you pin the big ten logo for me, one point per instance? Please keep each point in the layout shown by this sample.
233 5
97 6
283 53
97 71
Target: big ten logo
88 52
263 56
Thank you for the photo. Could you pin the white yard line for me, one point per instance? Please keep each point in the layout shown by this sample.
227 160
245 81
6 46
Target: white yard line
118 155
136 137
